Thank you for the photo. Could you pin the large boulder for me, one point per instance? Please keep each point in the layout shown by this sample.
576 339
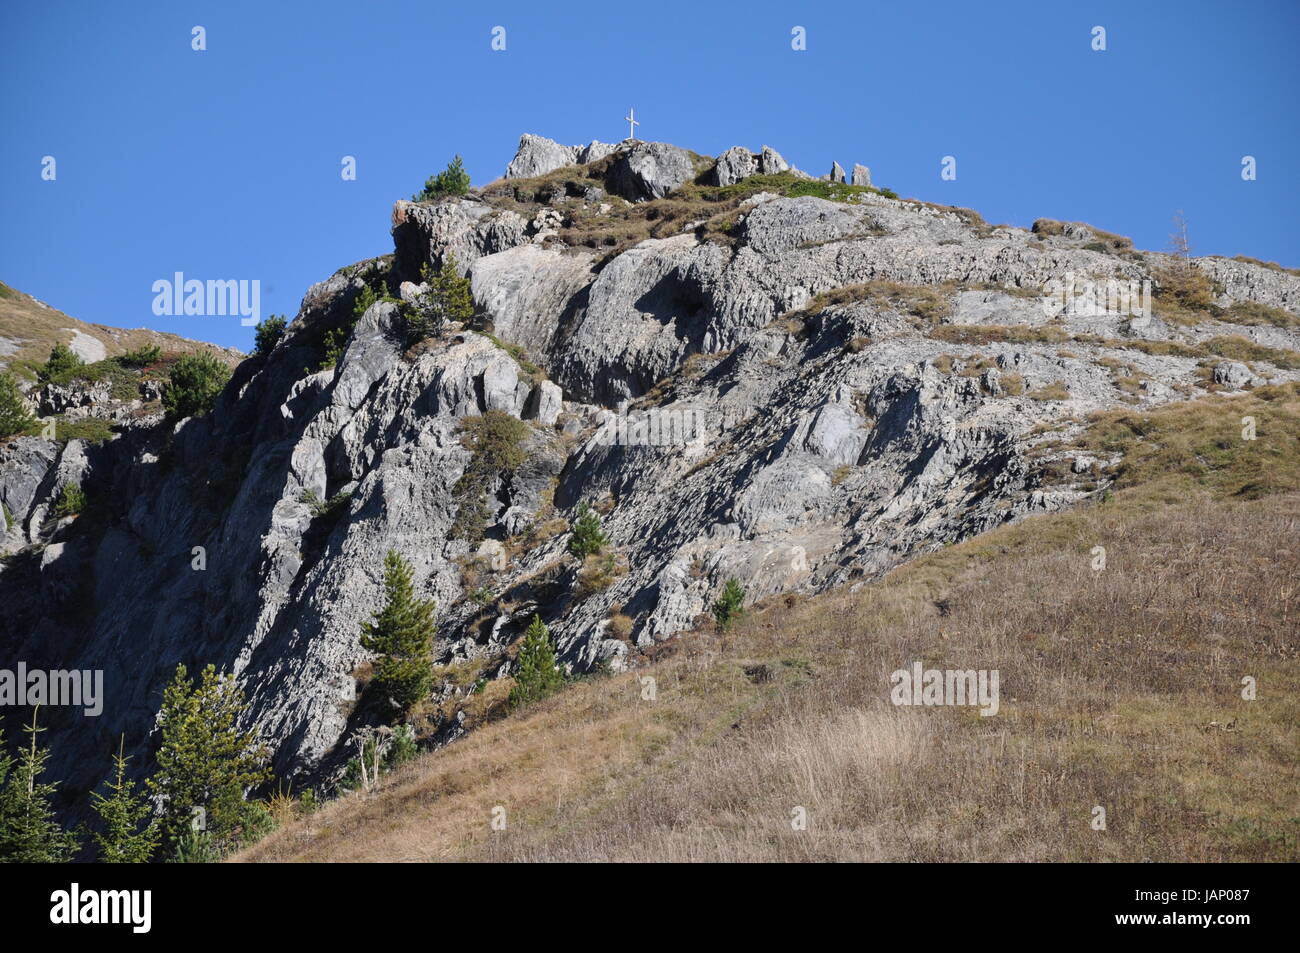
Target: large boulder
650 170
545 404
465 228
1232 374
771 162
538 155
733 165
861 175
596 150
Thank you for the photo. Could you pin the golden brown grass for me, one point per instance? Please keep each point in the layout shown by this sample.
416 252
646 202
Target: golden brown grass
34 330
1179 449
1272 265
1230 346
930 303
1254 313
999 333
1054 391
1238 348
1121 688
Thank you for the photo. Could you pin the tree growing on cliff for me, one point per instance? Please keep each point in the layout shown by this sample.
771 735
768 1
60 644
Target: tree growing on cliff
268 333
71 499
453 180
62 361
448 298
193 385
1179 281
495 442
15 418
205 762
402 636
452 291
588 538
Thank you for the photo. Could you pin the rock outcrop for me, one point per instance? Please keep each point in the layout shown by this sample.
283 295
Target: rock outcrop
695 387
650 170
738 163
733 165
538 155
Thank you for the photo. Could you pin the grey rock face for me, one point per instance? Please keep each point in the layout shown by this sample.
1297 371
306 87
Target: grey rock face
26 465
861 175
87 348
837 172
733 165
75 399
538 155
465 228
739 163
546 403
596 150
650 170
1243 281
770 162
826 444
1232 374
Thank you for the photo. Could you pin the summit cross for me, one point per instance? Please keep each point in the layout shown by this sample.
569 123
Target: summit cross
632 123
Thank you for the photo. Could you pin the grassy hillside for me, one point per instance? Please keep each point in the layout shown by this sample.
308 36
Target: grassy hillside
29 328
1121 688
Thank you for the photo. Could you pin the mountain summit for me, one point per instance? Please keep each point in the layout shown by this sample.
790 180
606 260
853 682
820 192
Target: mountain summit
748 374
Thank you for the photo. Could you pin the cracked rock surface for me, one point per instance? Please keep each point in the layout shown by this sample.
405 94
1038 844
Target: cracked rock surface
729 407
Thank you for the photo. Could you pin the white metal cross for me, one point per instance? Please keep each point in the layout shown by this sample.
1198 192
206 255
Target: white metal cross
632 123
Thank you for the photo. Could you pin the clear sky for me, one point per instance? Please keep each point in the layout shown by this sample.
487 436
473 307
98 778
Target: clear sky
226 163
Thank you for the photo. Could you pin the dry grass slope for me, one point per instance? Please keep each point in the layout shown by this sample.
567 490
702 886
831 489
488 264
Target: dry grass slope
1120 688
29 329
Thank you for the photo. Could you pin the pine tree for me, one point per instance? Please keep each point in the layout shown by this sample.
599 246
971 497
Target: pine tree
452 292
268 333
193 385
6 795
29 833
124 840
448 298
536 675
15 418
453 180
70 501
728 608
205 760
402 635
63 360
195 847
588 537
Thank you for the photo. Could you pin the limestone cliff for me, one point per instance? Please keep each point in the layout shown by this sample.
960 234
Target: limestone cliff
795 382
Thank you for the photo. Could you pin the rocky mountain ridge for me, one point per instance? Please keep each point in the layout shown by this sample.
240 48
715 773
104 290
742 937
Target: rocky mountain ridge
750 372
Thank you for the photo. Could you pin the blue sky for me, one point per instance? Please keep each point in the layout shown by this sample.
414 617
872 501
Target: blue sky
225 163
